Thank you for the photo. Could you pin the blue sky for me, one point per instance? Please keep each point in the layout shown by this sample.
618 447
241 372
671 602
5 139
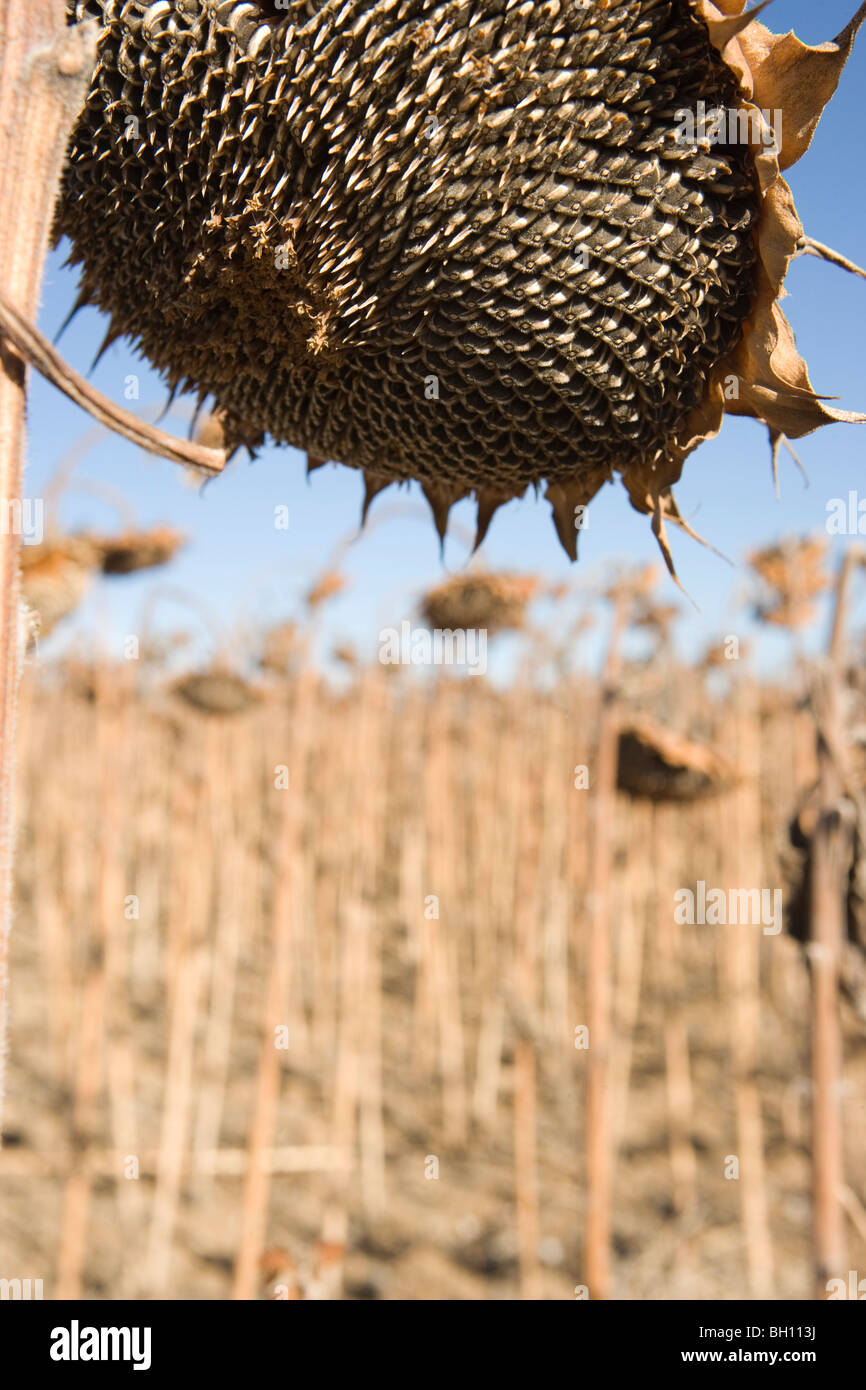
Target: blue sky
248 573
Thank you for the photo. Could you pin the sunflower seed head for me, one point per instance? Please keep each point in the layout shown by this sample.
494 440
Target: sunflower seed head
455 243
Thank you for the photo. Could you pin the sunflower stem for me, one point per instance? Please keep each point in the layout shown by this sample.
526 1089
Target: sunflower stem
43 77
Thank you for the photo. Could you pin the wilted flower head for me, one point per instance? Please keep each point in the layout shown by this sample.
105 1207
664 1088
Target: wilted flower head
484 248
137 550
793 575
478 599
656 763
216 691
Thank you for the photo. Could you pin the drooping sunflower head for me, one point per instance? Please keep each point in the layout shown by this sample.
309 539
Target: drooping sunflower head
496 602
656 763
792 576
481 246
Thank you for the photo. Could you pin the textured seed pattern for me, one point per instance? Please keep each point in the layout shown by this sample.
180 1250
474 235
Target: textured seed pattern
321 209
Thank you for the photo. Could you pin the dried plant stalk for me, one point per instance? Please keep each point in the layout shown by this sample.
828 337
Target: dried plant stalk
372 818
441 937
742 974
76 1199
43 79
830 858
231 880
38 353
116 775
831 851
629 970
277 1000
598 1129
525 1079
497 835
188 902
676 1041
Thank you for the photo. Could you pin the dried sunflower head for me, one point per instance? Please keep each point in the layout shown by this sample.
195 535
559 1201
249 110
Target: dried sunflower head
495 602
55 576
657 619
657 763
482 247
216 691
793 575
137 550
280 646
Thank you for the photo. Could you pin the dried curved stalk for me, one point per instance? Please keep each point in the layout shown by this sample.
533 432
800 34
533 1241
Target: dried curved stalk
808 246
39 353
